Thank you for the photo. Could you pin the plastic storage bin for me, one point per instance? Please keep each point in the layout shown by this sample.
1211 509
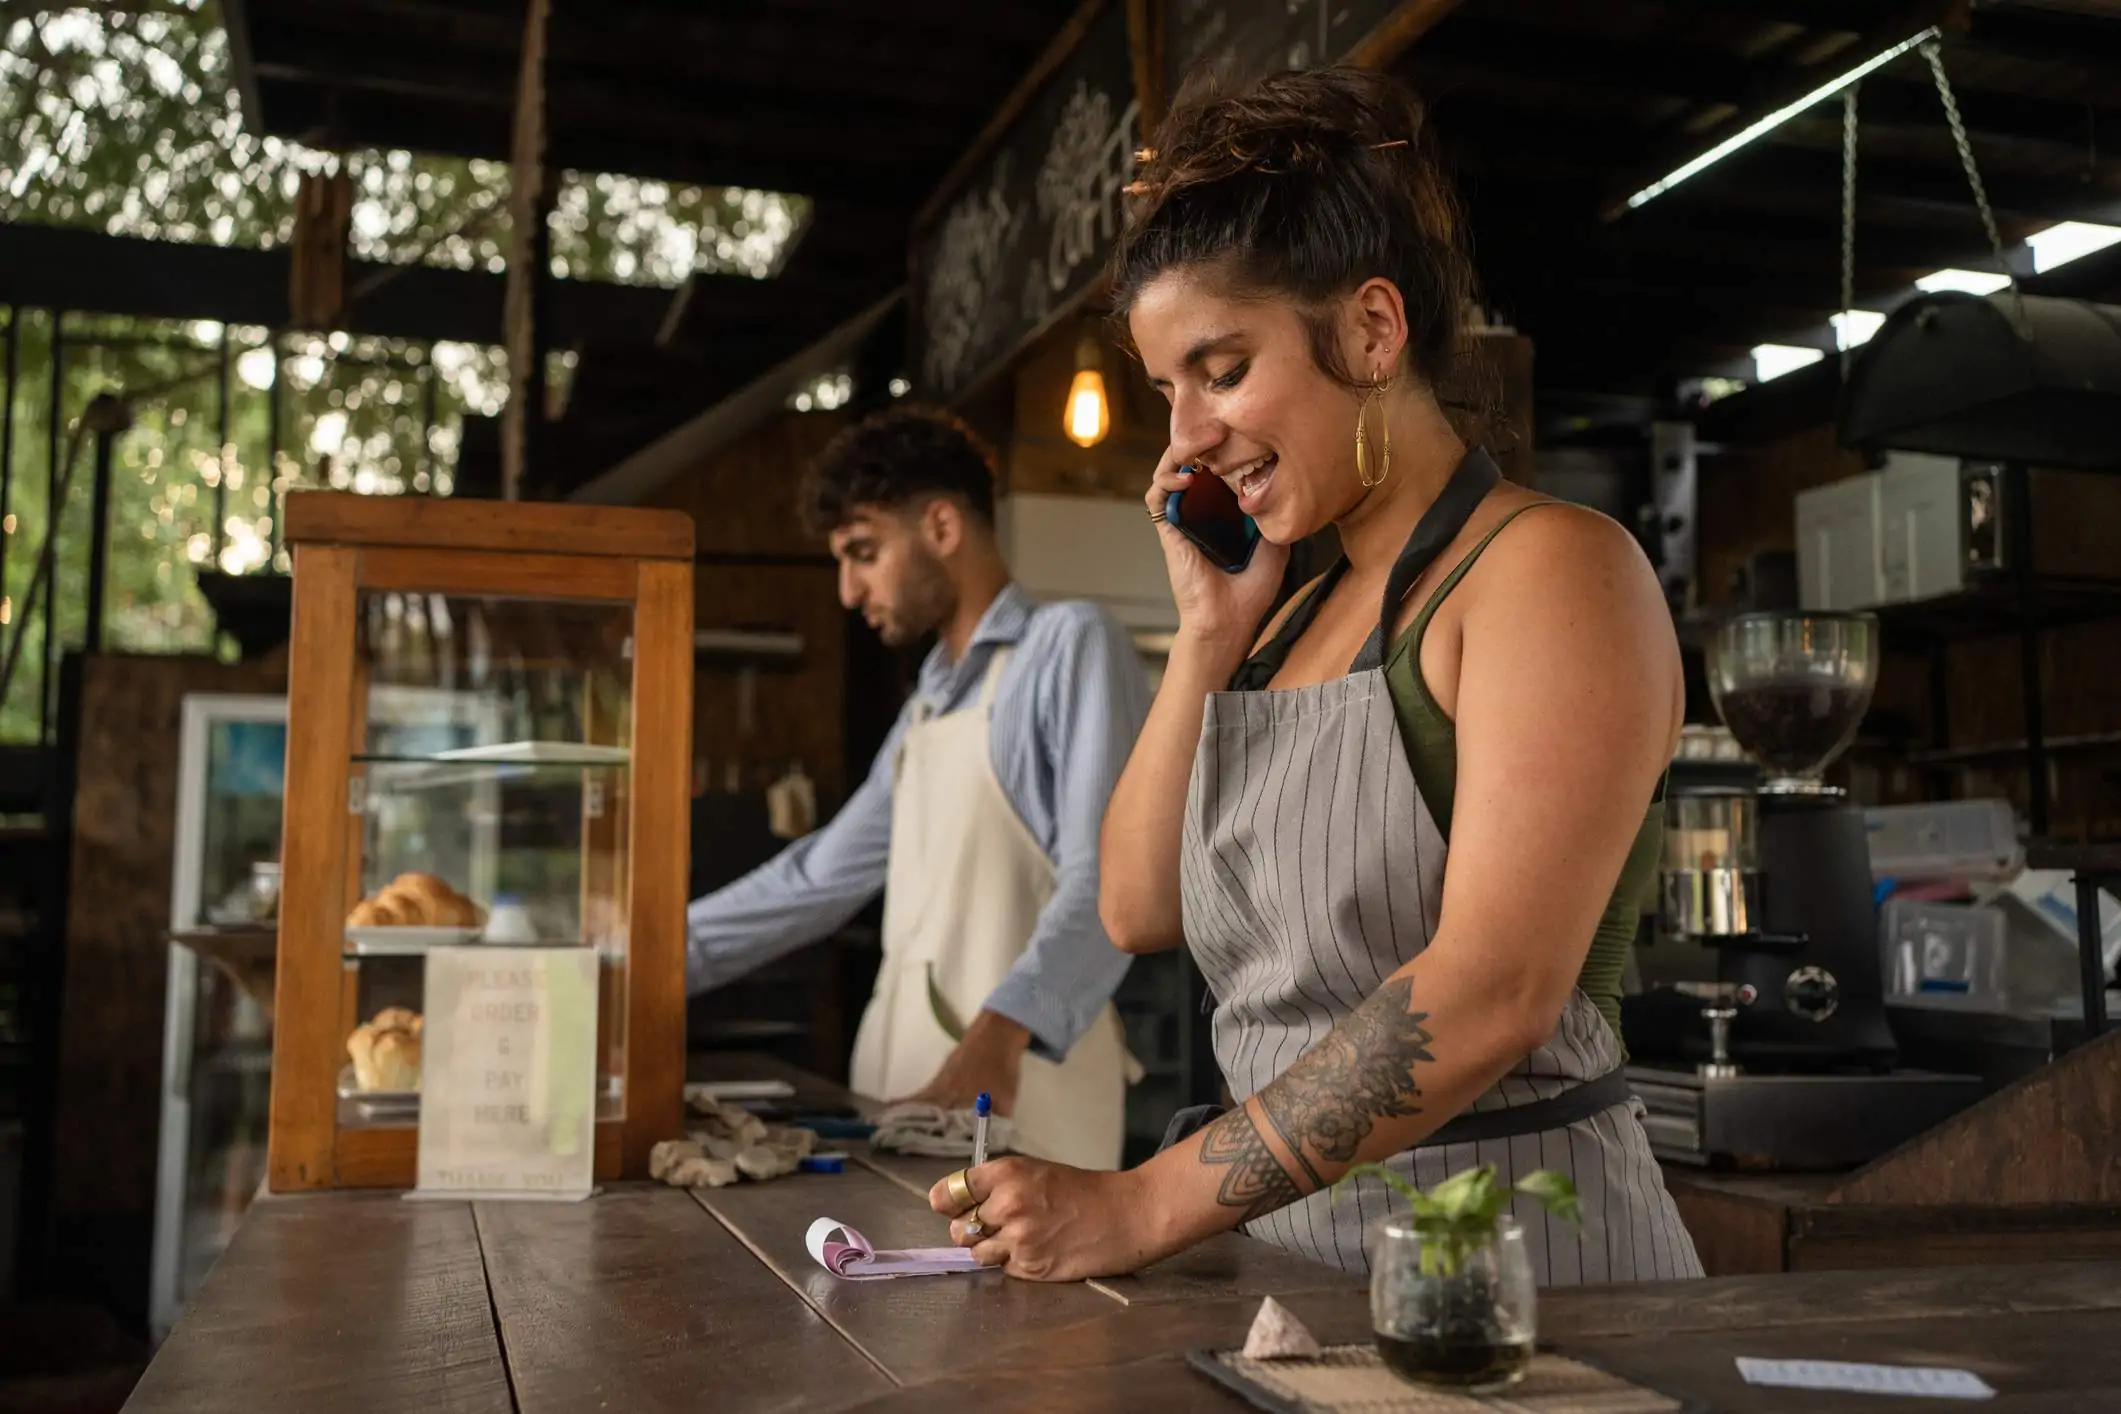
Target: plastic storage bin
1969 957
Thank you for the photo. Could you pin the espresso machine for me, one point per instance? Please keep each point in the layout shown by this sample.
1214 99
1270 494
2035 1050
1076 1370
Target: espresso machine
1779 1055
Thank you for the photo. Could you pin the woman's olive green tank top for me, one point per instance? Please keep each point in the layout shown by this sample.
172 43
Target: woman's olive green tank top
1431 740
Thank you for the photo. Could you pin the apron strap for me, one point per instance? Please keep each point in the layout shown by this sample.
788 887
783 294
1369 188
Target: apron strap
1577 1103
1477 475
991 683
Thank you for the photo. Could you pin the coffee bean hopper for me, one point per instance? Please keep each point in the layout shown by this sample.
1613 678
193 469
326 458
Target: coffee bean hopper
1789 1040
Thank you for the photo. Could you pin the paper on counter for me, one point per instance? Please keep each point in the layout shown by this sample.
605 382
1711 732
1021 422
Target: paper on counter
845 1253
1929 1382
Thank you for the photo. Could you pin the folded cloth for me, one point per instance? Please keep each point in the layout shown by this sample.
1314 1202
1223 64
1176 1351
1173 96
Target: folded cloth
845 1253
934 1132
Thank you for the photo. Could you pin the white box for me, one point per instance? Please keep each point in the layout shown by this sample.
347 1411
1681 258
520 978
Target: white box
1090 547
2050 895
1920 554
1948 839
1837 544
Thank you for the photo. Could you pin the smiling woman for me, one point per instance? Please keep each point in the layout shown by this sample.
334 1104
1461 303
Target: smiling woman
1406 832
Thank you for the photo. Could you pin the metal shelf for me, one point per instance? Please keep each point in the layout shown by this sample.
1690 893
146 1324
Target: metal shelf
2005 750
1997 608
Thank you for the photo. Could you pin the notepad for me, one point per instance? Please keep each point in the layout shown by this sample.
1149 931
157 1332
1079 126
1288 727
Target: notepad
1922 1381
845 1253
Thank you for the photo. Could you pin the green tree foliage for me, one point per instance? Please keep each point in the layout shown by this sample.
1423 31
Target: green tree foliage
121 116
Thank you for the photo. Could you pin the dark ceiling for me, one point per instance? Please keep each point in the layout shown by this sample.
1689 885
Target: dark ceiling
1554 111
1551 112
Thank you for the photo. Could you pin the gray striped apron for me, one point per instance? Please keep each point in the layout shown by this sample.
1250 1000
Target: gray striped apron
1310 871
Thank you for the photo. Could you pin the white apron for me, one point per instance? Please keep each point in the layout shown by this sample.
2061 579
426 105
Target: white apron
965 886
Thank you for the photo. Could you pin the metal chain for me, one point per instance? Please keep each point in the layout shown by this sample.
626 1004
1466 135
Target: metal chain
1934 53
1848 220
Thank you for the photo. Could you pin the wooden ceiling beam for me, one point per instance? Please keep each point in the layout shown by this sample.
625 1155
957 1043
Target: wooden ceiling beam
2085 44
1828 16
317 56
1561 169
1473 42
469 131
59 267
2032 199
1489 61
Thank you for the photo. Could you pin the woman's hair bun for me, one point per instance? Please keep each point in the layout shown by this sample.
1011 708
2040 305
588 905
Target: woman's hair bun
1304 184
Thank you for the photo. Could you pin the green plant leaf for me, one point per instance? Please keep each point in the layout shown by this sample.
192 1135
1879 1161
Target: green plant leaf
1555 1193
1464 1193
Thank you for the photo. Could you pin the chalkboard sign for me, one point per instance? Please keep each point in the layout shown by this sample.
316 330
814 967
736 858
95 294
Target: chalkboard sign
1030 230
1250 38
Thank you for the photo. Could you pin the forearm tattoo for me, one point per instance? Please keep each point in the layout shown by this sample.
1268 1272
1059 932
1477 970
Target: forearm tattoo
1256 1181
1328 1102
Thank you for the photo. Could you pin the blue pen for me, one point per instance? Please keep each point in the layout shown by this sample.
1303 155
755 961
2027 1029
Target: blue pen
980 1109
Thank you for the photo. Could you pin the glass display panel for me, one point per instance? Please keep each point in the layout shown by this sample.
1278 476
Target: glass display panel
239 863
490 778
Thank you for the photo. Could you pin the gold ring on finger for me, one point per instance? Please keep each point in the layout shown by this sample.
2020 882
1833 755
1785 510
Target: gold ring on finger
960 1190
1157 517
973 1226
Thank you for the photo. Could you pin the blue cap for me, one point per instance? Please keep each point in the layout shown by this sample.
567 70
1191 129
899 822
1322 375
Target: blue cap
984 1103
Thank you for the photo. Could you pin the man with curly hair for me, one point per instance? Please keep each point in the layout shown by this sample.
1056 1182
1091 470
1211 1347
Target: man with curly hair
980 817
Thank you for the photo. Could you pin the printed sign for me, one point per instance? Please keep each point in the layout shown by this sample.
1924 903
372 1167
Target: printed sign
508 1079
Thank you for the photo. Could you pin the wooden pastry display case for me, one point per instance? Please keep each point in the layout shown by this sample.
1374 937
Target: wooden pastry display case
527 785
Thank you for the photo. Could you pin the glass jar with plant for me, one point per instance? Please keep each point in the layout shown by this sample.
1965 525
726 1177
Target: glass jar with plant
1452 1300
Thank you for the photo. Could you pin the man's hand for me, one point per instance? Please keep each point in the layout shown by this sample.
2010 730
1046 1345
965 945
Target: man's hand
988 1058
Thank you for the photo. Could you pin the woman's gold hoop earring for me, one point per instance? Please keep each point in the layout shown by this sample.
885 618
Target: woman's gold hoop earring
1362 437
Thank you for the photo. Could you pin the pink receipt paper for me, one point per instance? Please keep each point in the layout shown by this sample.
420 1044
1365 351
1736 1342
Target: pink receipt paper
842 1251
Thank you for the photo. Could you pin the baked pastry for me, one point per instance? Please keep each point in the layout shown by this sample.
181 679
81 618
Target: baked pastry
386 1051
415 900
373 913
396 1018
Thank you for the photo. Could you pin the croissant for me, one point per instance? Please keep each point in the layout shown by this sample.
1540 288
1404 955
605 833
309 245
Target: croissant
412 909
385 1058
415 900
375 913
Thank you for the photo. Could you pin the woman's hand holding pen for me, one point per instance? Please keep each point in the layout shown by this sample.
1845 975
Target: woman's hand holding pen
1048 1222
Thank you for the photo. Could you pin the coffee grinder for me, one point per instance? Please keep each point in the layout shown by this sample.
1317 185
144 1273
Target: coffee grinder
1795 1058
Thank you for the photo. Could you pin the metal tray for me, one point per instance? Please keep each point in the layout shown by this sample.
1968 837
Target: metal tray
378 1104
406 942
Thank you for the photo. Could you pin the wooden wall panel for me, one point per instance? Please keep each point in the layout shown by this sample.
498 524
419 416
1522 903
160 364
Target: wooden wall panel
1500 376
1748 504
2053 1137
1041 459
795 715
117 961
1748 501
1734 1235
743 502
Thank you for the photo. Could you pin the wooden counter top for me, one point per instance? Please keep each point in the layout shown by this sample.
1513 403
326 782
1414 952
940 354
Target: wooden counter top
650 1298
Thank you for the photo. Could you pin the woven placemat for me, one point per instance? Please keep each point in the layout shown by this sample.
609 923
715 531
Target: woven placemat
1353 1379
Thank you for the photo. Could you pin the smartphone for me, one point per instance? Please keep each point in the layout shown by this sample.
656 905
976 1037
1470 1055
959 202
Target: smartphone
1207 514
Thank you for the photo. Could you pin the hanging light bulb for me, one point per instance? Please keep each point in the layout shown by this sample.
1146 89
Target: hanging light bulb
1088 417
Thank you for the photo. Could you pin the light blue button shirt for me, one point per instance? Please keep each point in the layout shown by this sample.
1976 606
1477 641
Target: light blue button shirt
1066 712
